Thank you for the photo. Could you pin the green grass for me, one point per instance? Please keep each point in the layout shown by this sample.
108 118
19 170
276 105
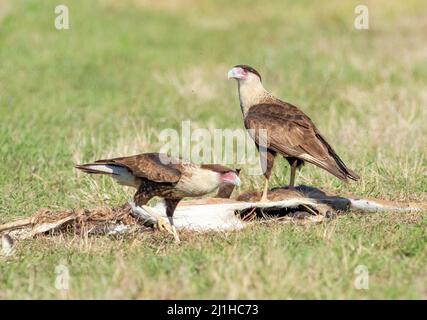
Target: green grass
126 70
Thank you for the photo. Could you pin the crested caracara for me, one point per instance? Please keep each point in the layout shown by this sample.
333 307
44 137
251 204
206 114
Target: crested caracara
157 174
285 129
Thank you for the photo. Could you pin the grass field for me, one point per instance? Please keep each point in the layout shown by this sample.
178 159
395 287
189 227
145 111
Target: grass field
127 69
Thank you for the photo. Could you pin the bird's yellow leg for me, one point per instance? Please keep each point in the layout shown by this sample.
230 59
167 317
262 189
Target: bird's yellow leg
175 235
264 193
174 232
161 222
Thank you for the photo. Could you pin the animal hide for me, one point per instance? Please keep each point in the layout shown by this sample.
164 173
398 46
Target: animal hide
301 205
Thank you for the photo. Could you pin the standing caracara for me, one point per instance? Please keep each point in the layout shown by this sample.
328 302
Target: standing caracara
286 129
156 174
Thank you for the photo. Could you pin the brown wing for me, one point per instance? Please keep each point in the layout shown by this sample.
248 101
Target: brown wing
291 133
216 167
152 166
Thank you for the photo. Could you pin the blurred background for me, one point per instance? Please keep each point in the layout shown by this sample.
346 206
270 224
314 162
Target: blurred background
125 70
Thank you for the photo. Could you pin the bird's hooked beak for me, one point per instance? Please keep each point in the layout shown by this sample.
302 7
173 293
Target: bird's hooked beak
237 181
231 178
236 73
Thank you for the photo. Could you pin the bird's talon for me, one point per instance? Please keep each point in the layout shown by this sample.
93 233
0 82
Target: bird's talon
164 225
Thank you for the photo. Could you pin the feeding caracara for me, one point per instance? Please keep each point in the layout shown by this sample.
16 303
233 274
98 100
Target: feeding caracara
156 174
286 129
